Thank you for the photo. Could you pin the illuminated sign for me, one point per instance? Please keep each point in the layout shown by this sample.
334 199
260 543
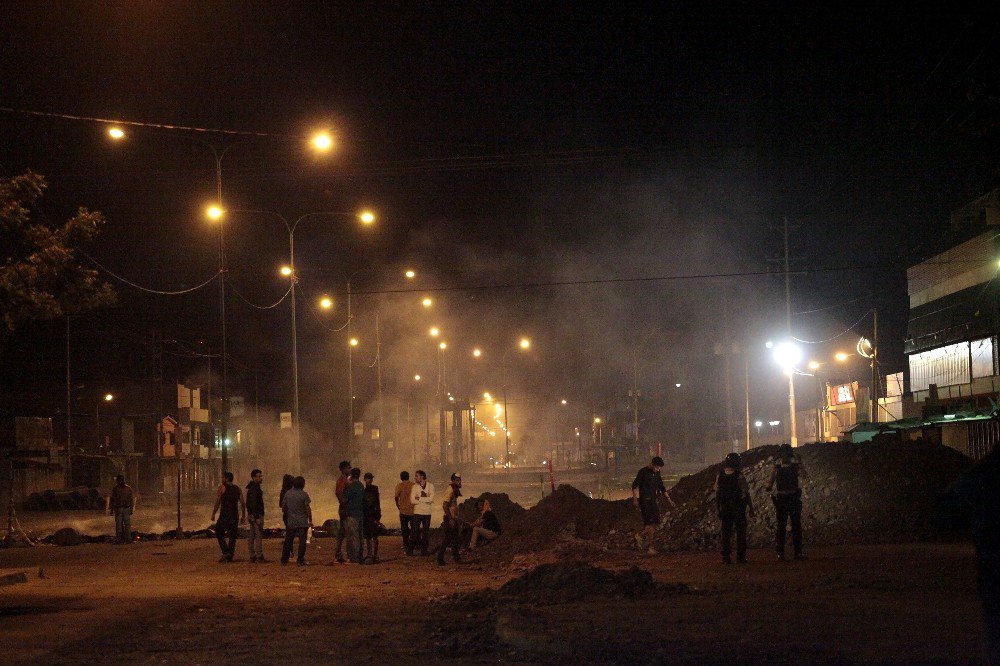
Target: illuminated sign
842 394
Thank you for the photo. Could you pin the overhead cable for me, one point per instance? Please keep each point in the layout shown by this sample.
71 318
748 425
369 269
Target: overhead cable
149 290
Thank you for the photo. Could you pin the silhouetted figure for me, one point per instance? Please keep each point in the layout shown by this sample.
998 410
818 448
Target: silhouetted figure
354 514
372 517
405 506
255 517
451 525
974 499
343 481
646 488
732 495
486 526
787 498
286 485
228 499
121 503
298 509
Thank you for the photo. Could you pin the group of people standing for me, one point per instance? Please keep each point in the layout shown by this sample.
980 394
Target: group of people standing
733 503
360 515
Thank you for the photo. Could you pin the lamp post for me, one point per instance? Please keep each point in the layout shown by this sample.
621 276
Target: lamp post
366 217
788 355
107 397
524 344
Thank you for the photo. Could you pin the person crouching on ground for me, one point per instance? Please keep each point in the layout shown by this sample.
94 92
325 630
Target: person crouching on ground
372 515
227 500
354 513
732 494
298 510
787 498
451 525
121 504
647 487
487 526
255 513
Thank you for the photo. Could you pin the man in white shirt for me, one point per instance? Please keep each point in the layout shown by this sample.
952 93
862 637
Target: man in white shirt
422 498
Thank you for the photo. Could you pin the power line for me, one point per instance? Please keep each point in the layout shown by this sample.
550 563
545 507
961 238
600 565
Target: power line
147 289
138 123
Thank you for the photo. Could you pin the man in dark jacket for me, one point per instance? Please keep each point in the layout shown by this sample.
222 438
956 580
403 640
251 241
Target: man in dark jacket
371 518
232 511
787 498
255 517
121 503
974 500
732 495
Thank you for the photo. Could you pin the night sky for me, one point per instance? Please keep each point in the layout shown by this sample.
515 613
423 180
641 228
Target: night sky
505 150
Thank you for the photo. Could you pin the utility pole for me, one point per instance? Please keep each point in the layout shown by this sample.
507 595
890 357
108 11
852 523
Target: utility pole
350 376
378 371
727 349
875 378
788 323
746 390
69 414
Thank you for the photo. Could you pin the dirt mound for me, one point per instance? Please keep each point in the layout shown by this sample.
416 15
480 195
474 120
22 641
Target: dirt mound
565 582
563 516
506 509
851 493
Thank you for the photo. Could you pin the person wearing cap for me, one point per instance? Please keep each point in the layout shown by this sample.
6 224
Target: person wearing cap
451 525
372 516
647 487
732 495
787 498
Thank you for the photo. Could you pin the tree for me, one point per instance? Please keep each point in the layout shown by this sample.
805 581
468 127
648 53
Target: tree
40 275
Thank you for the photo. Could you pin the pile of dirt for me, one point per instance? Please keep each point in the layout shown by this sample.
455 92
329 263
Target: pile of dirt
507 510
851 493
562 517
566 582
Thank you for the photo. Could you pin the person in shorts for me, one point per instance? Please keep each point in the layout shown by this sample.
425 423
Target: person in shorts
646 489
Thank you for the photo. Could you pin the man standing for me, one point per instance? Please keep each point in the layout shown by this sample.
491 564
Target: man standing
229 498
354 513
787 498
298 511
255 512
405 507
732 495
451 526
372 508
121 503
646 488
422 498
343 481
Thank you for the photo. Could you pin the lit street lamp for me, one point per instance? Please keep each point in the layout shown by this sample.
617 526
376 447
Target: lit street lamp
787 354
107 397
289 272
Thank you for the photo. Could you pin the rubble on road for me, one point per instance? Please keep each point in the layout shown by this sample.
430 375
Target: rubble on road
851 493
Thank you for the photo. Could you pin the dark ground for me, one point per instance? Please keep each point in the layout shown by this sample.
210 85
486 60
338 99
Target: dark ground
170 602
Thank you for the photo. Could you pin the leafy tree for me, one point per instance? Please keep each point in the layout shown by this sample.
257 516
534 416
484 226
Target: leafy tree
40 275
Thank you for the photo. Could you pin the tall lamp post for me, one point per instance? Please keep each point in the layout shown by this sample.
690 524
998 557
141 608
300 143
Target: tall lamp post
788 355
366 217
107 397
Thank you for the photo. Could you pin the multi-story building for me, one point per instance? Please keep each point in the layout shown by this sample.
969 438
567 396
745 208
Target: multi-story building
951 341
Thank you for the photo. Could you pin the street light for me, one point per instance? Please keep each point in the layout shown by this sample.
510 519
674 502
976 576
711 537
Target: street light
787 354
289 272
477 352
322 141
524 345
326 302
427 302
841 356
116 133
434 332
410 274
107 397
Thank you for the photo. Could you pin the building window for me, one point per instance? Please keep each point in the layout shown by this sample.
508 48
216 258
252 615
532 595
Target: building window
944 366
982 358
